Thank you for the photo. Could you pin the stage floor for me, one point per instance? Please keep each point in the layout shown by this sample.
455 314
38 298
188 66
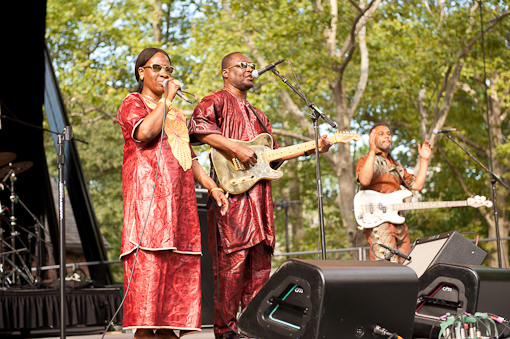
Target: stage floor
207 333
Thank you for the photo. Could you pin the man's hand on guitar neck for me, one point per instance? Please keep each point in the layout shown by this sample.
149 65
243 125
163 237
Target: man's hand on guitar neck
324 145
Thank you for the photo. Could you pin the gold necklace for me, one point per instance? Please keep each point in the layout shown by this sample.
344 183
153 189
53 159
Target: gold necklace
151 99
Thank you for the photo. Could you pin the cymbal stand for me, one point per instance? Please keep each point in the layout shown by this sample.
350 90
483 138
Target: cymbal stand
12 218
16 272
38 239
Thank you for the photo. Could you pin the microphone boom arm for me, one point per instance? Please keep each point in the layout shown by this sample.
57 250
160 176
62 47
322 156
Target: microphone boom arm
317 112
320 194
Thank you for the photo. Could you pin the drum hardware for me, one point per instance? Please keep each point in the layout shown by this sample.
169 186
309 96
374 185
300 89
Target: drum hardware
10 272
6 158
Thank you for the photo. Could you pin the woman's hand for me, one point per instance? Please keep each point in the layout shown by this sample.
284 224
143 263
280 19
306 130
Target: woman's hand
172 87
221 201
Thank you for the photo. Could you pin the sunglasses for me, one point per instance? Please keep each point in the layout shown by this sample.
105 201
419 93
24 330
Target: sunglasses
244 65
157 68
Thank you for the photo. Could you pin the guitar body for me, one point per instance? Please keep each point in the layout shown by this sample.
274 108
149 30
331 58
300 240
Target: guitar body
372 208
237 181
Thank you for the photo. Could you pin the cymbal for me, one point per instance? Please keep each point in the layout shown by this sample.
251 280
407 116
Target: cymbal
6 157
17 167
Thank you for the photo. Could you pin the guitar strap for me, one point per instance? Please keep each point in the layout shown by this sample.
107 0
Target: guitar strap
276 164
402 213
258 118
400 175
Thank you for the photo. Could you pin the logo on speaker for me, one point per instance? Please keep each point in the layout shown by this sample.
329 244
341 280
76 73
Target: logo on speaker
299 290
447 289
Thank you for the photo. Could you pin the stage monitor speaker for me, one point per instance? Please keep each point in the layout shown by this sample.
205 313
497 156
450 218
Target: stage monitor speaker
455 289
449 247
333 299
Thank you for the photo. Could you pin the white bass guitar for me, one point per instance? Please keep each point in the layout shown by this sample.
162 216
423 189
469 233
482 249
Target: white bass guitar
372 208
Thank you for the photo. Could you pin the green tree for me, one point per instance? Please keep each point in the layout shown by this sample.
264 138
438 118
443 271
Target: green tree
413 64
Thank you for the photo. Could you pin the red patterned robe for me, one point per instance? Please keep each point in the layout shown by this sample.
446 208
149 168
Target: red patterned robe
246 234
165 289
386 179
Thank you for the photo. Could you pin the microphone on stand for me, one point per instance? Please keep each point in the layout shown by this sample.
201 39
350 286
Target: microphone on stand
258 72
446 130
396 252
179 92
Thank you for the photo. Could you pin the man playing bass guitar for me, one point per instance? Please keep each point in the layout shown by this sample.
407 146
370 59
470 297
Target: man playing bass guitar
378 171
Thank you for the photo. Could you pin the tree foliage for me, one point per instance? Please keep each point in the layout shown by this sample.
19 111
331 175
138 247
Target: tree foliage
416 65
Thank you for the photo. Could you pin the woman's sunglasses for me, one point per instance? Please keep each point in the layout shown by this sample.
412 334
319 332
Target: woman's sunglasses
157 68
244 65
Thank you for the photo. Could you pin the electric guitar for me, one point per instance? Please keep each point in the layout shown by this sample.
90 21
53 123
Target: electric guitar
235 178
372 208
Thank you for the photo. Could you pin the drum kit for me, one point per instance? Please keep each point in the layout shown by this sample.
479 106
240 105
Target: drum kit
13 261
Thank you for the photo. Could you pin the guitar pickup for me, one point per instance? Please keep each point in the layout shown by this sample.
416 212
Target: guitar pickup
241 180
238 165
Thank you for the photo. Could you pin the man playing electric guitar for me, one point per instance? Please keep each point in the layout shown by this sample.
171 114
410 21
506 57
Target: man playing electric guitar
245 236
378 171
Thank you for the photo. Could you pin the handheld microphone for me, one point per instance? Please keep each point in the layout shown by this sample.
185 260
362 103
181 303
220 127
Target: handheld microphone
395 251
258 72
179 92
446 130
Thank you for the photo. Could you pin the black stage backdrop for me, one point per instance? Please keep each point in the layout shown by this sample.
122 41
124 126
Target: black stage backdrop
22 48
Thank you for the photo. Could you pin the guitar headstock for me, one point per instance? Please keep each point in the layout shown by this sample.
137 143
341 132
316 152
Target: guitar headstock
344 137
479 201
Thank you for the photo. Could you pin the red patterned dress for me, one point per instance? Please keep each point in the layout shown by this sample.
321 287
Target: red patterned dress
165 288
387 178
246 233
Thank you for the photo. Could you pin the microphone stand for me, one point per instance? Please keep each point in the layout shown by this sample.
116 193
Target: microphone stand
494 179
316 114
66 135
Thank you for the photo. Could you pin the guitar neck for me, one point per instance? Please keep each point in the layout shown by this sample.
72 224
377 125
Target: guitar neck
406 206
283 152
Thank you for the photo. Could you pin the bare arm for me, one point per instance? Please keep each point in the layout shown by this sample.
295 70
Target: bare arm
366 173
425 152
205 180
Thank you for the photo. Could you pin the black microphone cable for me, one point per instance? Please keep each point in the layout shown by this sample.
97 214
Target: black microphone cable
147 216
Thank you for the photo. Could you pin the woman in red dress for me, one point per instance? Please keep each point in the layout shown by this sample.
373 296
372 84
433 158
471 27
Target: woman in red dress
162 276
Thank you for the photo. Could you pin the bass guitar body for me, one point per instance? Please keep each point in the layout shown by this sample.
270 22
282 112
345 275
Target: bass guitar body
372 208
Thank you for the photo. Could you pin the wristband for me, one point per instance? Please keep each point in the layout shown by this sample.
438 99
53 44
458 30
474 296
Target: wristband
216 189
